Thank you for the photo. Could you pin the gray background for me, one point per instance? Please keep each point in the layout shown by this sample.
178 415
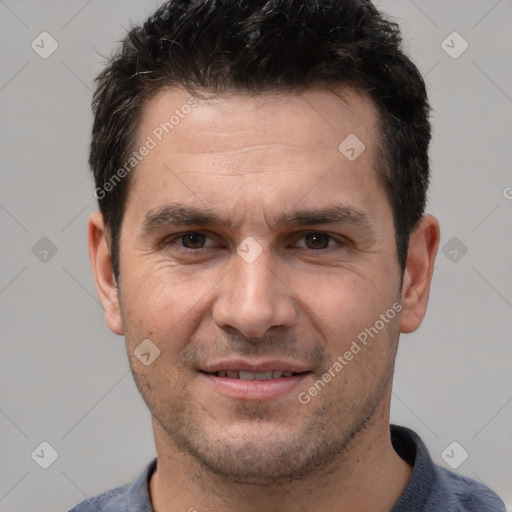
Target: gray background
64 378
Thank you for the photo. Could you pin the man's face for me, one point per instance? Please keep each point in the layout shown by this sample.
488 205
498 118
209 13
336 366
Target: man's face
291 258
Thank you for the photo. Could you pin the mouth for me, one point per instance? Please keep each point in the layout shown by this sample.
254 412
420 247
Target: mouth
243 381
244 375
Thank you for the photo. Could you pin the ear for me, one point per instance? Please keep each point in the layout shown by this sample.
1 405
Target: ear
101 262
423 245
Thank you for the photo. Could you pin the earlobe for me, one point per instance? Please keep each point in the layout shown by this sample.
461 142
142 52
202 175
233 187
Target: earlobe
423 246
101 262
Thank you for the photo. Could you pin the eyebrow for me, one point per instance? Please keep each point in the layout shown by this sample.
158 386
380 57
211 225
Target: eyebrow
182 215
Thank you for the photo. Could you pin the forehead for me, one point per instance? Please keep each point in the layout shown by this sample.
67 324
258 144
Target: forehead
316 119
236 149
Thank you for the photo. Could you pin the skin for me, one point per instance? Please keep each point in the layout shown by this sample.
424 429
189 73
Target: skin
304 299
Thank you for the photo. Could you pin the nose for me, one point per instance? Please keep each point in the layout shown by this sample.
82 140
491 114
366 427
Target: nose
254 297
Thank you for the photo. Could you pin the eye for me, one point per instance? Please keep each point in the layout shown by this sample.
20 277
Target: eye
196 241
319 240
192 240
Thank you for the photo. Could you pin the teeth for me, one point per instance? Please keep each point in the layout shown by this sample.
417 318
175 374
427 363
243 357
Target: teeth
235 374
263 375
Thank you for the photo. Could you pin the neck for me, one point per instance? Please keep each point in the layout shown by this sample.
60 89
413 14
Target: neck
369 475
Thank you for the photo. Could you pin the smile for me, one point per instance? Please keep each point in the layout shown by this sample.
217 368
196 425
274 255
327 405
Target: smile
243 375
248 386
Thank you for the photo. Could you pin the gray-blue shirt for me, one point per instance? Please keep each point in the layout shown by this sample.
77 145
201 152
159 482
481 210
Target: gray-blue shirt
431 488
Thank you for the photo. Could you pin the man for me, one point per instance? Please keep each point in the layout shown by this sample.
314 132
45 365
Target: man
261 169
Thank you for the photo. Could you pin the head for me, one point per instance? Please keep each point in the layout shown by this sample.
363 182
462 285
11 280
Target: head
265 46
294 243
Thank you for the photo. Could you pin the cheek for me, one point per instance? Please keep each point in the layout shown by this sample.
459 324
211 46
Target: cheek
163 303
343 304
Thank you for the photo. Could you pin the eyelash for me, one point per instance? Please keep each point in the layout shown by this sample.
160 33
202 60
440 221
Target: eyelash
341 242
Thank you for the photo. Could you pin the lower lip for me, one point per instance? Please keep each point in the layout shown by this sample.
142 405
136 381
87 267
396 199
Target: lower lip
254 389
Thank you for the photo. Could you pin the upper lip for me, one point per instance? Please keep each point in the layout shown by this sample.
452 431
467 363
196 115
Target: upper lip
255 367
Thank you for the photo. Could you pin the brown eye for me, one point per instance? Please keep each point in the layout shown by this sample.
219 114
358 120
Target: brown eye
193 240
317 240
